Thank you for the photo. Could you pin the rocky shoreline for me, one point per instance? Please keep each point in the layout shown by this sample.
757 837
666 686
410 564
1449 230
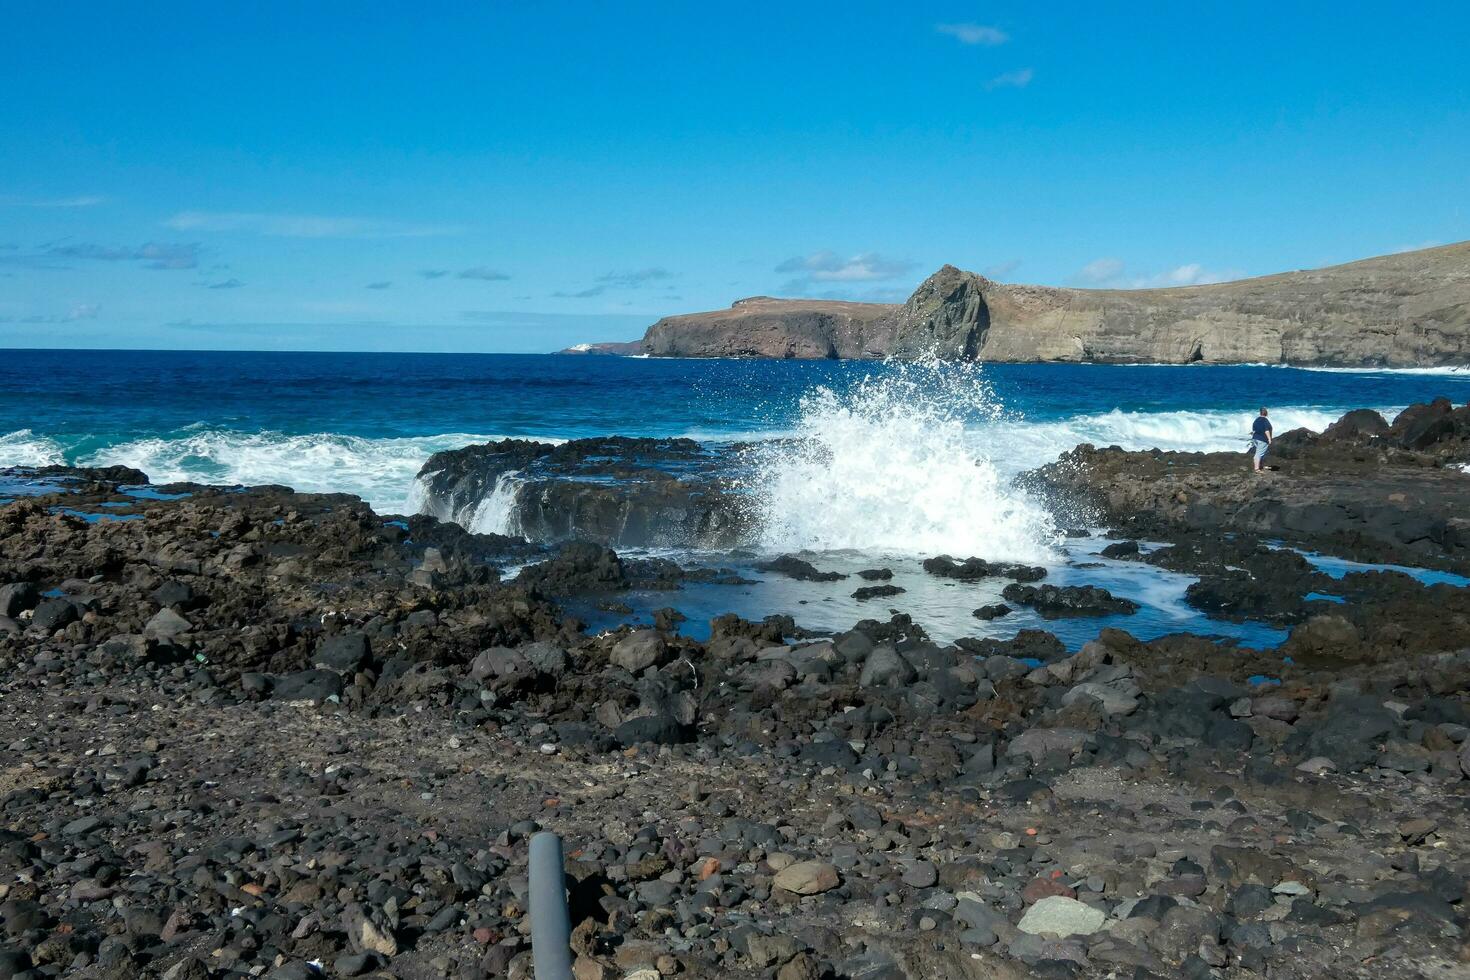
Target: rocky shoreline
256 733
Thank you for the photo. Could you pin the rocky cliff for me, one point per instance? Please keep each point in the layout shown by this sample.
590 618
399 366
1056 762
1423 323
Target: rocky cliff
1408 309
787 328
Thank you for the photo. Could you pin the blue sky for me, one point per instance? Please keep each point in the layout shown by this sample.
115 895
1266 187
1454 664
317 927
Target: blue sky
515 176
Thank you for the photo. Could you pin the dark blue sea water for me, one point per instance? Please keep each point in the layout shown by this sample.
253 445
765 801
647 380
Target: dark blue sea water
363 422
915 459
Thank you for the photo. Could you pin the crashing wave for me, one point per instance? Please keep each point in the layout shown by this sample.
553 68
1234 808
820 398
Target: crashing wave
891 464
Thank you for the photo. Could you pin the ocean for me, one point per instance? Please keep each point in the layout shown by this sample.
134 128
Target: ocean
916 459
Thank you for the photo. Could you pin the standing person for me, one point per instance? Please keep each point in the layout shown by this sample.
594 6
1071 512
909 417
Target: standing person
1260 438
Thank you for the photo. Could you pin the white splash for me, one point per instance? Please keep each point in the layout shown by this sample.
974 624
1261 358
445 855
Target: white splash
496 514
889 465
381 471
1020 445
25 448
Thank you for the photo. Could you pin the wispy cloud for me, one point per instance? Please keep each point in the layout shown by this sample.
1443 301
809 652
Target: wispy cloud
153 255
974 34
483 273
630 279
225 284
1101 270
1001 270
80 201
433 273
635 278
1113 273
587 293
382 284
1019 78
78 311
826 267
302 225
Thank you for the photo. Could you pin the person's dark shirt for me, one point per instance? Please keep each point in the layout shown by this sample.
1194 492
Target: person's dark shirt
1261 428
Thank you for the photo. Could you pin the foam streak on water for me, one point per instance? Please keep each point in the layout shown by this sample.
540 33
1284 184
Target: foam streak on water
888 465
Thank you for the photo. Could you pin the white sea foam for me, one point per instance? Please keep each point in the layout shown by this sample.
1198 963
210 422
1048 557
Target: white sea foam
381 471
889 465
24 448
1020 445
1459 370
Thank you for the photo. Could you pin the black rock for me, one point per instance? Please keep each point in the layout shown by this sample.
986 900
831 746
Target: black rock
877 592
53 614
345 652
793 567
307 685
17 597
1055 602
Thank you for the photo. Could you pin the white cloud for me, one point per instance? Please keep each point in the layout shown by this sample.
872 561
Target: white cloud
975 34
80 201
301 225
1111 273
828 266
1101 270
1012 79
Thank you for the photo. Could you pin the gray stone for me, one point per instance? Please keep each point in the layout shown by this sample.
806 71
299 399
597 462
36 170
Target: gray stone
166 624
807 878
638 651
1057 915
886 667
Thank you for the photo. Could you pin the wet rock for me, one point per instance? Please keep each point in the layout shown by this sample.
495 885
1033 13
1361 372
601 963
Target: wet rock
1055 602
877 592
976 569
802 571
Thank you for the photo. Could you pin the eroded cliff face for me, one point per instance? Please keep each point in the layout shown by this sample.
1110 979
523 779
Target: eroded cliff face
1397 310
782 328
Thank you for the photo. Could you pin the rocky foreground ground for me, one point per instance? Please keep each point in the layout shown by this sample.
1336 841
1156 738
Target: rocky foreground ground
259 733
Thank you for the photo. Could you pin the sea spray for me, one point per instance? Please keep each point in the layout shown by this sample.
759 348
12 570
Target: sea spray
381 471
890 464
496 514
26 448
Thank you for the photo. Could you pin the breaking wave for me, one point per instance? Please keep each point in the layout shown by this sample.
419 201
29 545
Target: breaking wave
1024 445
380 471
891 464
24 448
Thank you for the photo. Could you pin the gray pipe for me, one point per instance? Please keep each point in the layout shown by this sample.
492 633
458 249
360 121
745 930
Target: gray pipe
551 927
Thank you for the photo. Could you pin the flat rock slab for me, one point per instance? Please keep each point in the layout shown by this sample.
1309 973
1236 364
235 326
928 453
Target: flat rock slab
1058 915
808 878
